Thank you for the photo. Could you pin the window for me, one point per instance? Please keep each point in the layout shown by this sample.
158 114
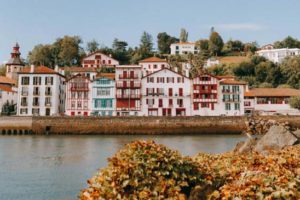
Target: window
160 103
170 102
227 106
235 88
37 80
103 92
23 110
73 105
48 101
25 81
48 91
35 101
180 92
36 91
180 102
73 95
24 101
49 80
85 95
236 106
35 111
79 95
79 104
85 105
170 92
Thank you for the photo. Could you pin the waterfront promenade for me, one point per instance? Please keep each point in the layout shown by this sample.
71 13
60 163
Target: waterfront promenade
130 125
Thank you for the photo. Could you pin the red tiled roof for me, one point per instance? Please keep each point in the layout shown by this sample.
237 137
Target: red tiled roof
4 79
6 89
272 92
226 77
153 59
232 82
107 75
79 69
38 70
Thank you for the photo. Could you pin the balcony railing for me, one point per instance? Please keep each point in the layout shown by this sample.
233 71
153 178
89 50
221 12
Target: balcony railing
79 89
24 93
24 104
230 100
35 104
36 92
128 85
47 103
48 93
230 91
128 96
123 76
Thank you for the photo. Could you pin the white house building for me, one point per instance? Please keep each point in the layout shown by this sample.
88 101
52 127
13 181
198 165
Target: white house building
270 101
41 91
153 64
7 95
183 48
78 96
231 97
99 60
278 55
104 95
166 93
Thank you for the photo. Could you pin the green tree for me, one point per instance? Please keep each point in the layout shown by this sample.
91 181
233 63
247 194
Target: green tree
120 51
234 46
288 42
92 46
2 70
42 55
215 43
244 69
291 71
144 50
250 47
183 35
265 85
164 41
284 86
295 102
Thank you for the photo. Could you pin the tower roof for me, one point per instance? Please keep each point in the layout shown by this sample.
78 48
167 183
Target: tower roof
15 58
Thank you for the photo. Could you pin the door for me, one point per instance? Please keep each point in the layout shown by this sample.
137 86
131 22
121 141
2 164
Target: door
47 111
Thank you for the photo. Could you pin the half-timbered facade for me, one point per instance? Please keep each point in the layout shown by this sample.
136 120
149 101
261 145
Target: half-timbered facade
78 96
153 64
99 60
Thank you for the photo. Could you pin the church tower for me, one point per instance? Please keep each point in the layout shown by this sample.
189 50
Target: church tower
15 64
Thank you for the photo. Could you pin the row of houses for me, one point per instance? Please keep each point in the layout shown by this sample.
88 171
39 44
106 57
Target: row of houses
47 92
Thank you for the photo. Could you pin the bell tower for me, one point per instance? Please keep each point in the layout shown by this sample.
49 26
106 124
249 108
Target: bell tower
15 63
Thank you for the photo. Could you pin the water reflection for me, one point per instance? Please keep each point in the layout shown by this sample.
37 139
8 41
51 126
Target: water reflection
57 167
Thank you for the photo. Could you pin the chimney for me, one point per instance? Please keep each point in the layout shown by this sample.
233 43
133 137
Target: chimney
110 55
31 68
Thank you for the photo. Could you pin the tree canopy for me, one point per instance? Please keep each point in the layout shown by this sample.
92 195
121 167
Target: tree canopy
164 41
184 35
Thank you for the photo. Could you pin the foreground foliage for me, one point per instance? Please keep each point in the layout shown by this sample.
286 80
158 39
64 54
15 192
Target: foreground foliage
145 170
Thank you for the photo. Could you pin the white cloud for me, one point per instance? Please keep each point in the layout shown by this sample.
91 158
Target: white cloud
240 27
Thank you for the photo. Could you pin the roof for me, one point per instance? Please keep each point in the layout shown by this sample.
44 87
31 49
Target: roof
6 80
15 61
272 92
39 70
6 89
98 52
226 77
165 69
78 76
106 75
184 43
153 59
79 69
232 82
128 66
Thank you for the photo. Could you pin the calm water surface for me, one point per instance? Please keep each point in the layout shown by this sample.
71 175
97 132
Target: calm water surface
57 167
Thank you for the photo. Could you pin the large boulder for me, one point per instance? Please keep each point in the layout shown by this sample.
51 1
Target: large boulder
297 134
276 138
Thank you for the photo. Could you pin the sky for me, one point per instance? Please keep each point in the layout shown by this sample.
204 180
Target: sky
32 22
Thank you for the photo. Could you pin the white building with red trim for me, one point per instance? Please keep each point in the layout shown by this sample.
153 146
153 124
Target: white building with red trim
128 90
99 60
183 48
153 64
72 71
166 93
78 96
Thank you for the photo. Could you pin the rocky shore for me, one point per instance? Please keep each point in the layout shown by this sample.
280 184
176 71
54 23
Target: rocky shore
267 166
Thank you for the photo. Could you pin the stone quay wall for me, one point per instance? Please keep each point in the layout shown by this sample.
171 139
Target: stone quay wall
131 125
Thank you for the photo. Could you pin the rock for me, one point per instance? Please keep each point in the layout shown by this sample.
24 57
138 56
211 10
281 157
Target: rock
201 192
297 133
245 147
276 138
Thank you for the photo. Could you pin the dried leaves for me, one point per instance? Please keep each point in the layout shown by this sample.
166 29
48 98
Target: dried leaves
145 170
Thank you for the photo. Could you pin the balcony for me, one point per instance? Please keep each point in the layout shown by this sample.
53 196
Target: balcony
123 76
47 103
128 96
48 93
24 93
230 100
35 104
36 93
24 104
230 91
128 85
79 88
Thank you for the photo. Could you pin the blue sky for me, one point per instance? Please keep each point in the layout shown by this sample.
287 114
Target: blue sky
31 22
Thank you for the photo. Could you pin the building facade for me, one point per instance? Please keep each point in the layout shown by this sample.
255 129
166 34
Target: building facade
8 96
104 95
128 90
153 64
41 92
183 48
166 93
205 96
99 60
278 55
270 101
15 63
231 97
78 96
73 71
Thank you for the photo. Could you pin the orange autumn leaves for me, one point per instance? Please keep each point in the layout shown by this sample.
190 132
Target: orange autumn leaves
146 170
